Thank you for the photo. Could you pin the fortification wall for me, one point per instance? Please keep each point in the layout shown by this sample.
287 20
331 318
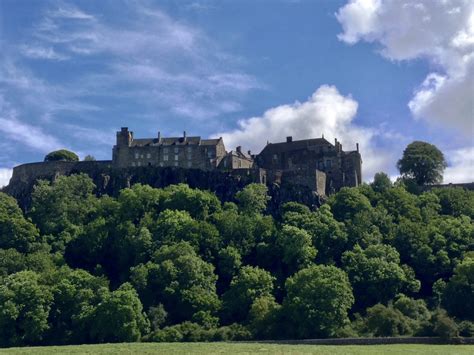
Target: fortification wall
110 180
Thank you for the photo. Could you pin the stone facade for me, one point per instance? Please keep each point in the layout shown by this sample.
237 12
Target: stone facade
309 155
183 152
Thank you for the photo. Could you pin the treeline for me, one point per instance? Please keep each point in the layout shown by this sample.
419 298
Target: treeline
175 264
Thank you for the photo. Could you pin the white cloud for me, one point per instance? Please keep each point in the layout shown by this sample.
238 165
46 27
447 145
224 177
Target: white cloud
26 134
39 52
460 166
5 175
440 31
154 55
325 112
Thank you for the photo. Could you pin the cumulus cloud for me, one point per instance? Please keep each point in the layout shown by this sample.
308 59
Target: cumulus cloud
5 175
326 112
460 166
439 31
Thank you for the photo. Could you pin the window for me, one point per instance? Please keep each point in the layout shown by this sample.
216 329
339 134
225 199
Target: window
176 157
176 150
210 154
133 163
165 157
175 163
190 164
320 164
148 155
161 164
165 150
139 164
141 156
328 164
190 149
137 155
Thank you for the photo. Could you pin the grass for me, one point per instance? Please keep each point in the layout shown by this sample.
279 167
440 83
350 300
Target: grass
241 348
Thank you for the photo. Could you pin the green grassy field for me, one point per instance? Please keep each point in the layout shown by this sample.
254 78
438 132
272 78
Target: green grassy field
242 348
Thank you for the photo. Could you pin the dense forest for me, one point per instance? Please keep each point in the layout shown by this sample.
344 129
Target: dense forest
175 264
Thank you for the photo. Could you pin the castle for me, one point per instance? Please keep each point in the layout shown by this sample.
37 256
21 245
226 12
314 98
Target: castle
305 171
314 163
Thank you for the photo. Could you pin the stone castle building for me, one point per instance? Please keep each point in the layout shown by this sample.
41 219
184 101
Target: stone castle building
314 163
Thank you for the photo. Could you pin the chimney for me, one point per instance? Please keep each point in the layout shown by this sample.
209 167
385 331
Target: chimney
289 139
249 152
322 136
124 129
239 149
357 145
184 134
159 136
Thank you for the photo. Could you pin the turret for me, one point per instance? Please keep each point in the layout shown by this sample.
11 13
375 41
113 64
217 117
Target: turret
124 137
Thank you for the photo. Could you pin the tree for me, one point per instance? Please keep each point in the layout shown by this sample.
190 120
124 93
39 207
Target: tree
119 317
250 283
295 247
252 198
76 294
347 202
24 309
422 162
61 155
381 182
459 291
15 230
61 208
179 279
89 158
376 274
318 299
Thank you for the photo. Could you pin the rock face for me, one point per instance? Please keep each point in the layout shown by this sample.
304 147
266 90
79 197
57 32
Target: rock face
110 180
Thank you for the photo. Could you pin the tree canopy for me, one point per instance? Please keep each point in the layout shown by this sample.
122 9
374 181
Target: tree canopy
422 162
61 155
177 264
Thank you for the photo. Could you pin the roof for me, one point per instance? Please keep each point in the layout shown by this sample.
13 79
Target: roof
166 141
240 154
273 148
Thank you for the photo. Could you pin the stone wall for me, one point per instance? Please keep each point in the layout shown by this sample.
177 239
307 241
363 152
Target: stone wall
110 180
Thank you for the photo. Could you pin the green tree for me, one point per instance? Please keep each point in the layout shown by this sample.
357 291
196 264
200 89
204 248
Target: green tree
179 279
15 230
199 204
376 274
381 182
296 248
24 309
383 321
456 201
318 299
459 291
250 284
75 293
422 162
119 317
61 155
89 158
61 208
347 202
252 198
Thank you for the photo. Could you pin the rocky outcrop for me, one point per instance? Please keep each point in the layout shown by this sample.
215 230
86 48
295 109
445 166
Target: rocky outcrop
110 180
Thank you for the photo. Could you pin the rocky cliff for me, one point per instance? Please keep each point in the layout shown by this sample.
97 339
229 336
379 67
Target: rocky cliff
110 180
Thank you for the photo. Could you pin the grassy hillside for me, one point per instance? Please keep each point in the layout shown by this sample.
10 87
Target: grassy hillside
241 348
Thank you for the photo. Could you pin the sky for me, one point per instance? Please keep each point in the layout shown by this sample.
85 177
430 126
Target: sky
381 73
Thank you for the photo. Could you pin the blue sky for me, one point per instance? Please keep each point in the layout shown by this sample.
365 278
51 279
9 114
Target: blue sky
378 72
